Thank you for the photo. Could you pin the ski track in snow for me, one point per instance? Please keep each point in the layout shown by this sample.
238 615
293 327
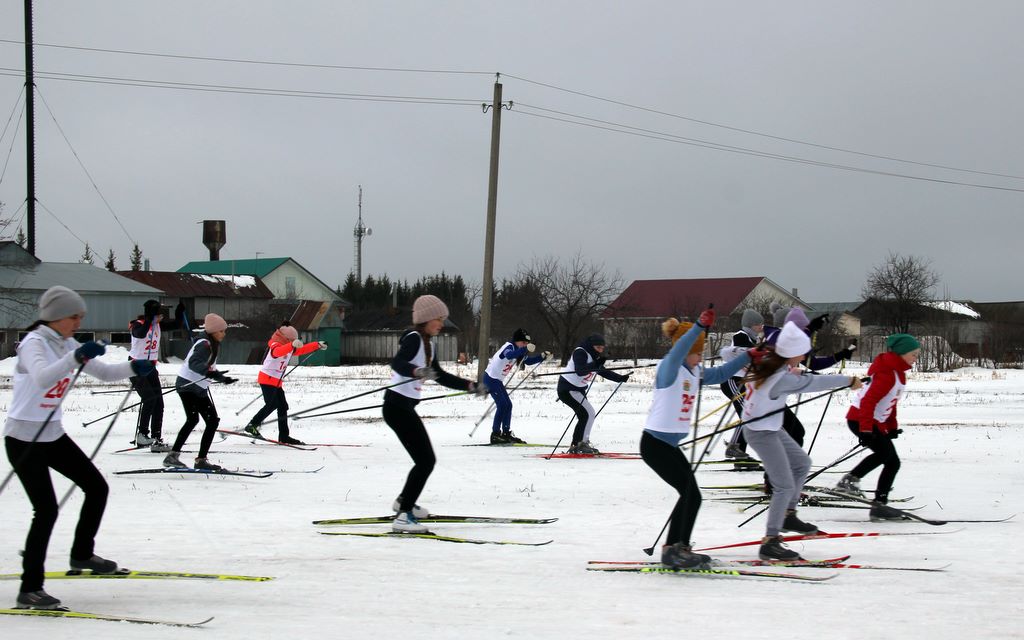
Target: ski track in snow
961 453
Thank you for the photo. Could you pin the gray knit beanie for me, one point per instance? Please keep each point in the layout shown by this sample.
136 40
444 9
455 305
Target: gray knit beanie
751 318
779 314
427 308
60 302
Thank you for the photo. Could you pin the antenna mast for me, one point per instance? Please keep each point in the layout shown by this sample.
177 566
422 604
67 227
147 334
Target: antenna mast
359 232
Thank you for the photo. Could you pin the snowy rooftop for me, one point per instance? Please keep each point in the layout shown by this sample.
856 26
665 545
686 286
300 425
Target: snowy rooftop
952 306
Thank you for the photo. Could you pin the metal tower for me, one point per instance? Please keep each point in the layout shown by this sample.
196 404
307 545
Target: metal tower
359 232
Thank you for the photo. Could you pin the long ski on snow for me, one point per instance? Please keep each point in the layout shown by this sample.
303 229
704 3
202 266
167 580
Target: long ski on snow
67 613
243 434
714 571
432 536
828 562
903 512
509 444
610 456
128 574
190 470
826 536
436 518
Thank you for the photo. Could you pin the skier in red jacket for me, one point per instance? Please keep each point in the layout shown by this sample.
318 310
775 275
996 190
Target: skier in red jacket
872 418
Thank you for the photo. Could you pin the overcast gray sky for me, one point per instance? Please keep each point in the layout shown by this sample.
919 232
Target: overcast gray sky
932 82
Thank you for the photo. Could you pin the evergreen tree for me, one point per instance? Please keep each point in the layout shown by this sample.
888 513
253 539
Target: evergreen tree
21 238
136 258
88 257
109 264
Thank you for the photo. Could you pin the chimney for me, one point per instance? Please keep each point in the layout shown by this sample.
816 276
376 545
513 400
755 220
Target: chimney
215 236
795 294
145 264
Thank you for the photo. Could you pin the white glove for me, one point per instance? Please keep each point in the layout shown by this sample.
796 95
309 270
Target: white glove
296 343
531 347
547 355
425 373
323 345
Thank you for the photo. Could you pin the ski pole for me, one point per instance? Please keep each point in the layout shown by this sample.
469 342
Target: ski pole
100 393
378 406
132 406
297 414
823 412
711 443
574 417
857 448
494 404
771 413
294 366
558 373
24 454
99 444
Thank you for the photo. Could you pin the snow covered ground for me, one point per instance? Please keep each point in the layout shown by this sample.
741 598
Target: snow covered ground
961 451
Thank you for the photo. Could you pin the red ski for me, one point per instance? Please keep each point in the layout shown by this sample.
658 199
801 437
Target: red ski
821 535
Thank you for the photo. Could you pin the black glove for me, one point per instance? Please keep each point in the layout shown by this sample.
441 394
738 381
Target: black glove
142 368
218 375
228 380
478 389
179 311
600 360
865 439
843 354
894 434
88 351
817 323
625 377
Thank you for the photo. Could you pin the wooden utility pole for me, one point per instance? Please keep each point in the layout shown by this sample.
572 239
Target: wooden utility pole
483 349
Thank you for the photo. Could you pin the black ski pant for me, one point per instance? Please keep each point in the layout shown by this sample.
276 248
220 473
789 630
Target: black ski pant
32 463
671 465
273 399
576 400
400 414
733 388
883 454
197 406
151 413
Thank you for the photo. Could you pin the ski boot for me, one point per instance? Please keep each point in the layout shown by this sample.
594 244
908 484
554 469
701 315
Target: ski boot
773 549
417 510
172 461
37 600
796 525
681 556
205 465
406 522
850 484
94 564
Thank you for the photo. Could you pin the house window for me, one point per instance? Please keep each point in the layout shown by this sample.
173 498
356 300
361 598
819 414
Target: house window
289 287
120 337
85 336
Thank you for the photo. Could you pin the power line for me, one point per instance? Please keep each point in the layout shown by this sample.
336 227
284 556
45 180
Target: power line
756 133
667 137
218 88
14 138
17 101
258 62
14 216
84 243
82 164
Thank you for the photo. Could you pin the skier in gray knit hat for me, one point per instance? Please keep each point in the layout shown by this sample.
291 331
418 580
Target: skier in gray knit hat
752 325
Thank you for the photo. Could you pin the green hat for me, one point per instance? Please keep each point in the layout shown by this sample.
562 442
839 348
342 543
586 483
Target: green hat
902 343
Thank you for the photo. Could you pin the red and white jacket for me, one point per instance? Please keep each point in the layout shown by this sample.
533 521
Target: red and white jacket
276 361
875 403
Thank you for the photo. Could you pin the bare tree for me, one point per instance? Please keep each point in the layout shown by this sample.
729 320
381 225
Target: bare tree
901 285
572 295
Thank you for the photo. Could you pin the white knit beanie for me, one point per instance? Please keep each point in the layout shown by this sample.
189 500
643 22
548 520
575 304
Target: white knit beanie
60 302
427 308
792 341
213 323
